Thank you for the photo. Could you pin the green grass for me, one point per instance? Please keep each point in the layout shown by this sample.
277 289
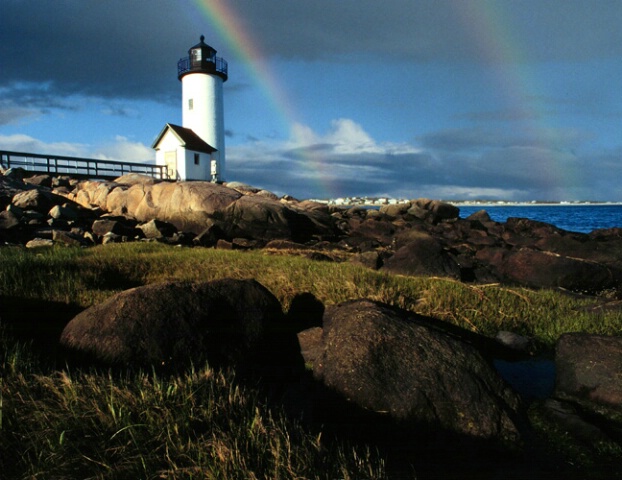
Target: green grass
88 276
203 424
199 425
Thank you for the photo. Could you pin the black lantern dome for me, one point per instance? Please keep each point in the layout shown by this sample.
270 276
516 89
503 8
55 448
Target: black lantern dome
202 59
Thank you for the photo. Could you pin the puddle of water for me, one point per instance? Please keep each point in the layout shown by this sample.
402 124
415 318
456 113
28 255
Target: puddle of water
533 378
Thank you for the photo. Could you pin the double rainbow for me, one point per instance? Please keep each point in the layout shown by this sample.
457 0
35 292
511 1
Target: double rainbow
489 30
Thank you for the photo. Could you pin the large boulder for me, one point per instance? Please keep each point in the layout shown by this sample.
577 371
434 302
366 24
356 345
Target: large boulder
157 229
9 187
416 371
8 220
186 205
587 401
442 211
430 211
589 369
265 219
535 268
601 246
195 206
395 210
422 255
317 222
226 322
134 179
117 225
531 228
33 211
43 180
377 229
92 193
604 246
38 200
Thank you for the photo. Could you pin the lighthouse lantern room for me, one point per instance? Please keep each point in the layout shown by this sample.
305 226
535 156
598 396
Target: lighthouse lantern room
196 150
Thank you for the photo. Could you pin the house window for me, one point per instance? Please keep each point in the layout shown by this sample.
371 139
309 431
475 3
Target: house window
196 158
190 103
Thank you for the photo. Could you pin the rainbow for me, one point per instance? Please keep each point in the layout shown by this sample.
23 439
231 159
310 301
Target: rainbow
490 31
226 22
487 27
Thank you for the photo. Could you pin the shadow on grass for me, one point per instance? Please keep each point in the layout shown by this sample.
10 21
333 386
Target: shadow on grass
37 322
110 278
413 450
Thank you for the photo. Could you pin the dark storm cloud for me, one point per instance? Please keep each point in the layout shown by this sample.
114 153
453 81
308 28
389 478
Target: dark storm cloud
433 30
102 48
123 48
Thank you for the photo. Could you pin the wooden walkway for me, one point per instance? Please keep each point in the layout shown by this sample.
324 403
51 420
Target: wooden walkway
78 167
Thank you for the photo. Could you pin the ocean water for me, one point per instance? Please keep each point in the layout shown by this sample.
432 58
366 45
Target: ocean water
575 218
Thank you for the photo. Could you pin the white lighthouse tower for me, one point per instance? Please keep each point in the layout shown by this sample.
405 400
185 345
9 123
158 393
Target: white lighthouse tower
196 150
202 75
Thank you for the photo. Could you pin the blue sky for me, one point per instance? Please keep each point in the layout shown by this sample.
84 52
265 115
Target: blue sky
449 99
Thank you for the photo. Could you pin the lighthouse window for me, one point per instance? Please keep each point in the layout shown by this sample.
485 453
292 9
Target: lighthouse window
196 54
196 158
190 103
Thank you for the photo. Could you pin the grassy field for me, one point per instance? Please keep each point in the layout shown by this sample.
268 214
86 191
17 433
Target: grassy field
203 424
83 277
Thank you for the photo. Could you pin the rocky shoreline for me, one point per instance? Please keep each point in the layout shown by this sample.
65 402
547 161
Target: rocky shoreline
419 237
367 353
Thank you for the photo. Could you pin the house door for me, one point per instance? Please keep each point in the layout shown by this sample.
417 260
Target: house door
170 160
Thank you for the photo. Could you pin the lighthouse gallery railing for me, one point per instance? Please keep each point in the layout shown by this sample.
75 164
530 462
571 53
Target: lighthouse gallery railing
220 65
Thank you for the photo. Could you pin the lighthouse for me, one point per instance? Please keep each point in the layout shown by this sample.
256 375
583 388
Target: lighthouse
196 150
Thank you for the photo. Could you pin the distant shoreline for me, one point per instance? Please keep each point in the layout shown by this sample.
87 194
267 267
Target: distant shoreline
534 204
379 202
